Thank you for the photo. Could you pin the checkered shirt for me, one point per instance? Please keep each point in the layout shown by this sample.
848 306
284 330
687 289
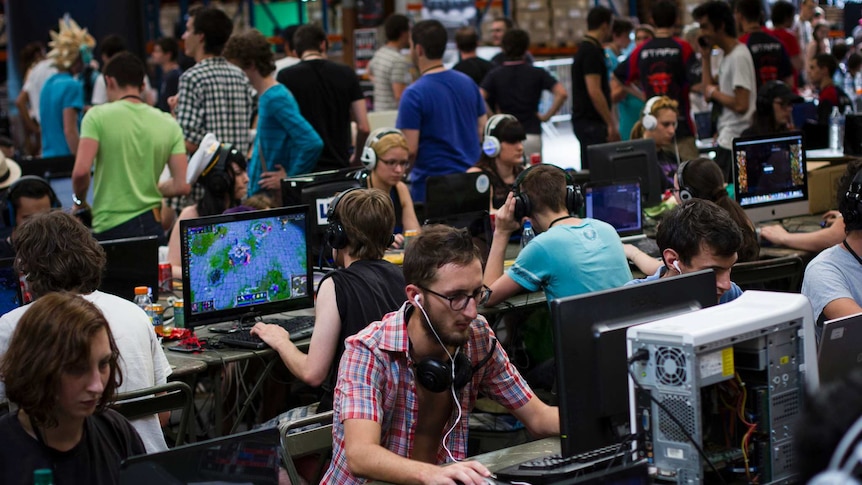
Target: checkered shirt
214 96
376 382
388 66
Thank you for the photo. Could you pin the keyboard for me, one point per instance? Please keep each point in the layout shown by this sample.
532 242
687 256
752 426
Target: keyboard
649 246
299 328
549 469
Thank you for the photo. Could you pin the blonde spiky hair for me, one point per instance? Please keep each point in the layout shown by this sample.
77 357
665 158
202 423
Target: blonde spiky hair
66 45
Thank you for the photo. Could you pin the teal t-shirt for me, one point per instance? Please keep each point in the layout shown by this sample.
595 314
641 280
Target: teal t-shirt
60 91
135 142
570 260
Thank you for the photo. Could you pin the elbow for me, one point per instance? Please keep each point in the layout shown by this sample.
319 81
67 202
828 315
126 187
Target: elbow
355 461
314 379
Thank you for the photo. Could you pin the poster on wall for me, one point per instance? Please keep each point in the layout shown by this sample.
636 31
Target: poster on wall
365 42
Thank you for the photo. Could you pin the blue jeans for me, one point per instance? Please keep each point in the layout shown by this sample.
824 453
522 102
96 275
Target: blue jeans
144 224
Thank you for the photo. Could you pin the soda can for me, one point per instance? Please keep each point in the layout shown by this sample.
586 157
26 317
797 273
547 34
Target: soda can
179 316
166 282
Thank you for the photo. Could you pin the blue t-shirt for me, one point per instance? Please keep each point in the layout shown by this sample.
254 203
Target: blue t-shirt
733 293
630 107
284 138
445 108
60 91
570 260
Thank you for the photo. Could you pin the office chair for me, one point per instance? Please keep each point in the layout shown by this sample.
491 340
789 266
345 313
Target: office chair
777 274
307 442
145 402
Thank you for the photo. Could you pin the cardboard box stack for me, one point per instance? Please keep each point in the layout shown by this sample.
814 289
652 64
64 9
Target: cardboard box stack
534 16
570 21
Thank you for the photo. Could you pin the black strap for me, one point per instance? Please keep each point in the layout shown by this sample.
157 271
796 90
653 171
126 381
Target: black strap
558 219
852 251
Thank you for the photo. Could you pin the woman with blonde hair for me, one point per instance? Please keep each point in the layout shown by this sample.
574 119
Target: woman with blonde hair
386 162
658 122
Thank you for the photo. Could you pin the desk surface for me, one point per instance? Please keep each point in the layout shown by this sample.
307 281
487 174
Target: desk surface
500 459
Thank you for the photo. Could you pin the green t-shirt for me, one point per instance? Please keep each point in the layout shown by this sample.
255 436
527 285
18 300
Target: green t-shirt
135 143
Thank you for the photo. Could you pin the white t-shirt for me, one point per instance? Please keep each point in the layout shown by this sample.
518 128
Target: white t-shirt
285 61
737 70
142 359
100 90
36 78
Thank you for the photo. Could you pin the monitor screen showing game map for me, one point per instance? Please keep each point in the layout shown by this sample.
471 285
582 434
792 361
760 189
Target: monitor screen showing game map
244 265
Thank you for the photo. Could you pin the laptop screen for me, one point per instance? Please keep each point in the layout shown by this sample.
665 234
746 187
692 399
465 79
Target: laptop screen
250 457
245 264
617 203
10 286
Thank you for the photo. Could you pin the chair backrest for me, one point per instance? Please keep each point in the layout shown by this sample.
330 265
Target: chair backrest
305 442
153 400
777 274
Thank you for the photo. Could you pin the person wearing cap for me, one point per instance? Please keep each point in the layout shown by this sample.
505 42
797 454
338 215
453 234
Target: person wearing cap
61 100
221 170
130 142
820 73
774 109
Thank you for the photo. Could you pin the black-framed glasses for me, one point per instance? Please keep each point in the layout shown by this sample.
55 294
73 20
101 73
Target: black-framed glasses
391 163
459 301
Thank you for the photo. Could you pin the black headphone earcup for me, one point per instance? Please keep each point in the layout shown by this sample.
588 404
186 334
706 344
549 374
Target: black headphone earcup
523 207
433 375
574 199
336 236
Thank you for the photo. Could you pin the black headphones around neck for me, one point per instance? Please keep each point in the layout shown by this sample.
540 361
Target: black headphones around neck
436 375
8 207
853 196
685 192
523 205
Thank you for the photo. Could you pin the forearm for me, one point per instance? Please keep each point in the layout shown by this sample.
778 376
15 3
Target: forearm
173 188
296 362
559 99
70 131
377 463
80 185
496 257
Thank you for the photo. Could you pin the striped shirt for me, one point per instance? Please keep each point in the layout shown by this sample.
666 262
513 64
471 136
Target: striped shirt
376 382
388 66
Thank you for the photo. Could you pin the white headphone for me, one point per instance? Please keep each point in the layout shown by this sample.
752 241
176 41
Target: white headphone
842 464
676 267
490 143
369 156
649 121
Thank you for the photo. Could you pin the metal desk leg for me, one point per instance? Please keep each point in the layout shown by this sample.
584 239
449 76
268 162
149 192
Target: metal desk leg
253 392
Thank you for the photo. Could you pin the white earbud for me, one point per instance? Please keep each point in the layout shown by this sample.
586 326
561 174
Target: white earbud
676 267
417 301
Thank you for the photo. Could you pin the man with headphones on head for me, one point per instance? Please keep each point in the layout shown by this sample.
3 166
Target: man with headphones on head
365 288
694 236
833 279
407 384
569 256
23 198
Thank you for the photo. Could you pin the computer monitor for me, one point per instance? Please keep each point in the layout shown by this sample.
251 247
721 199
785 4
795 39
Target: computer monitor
616 202
10 286
456 193
771 180
590 346
316 191
129 263
244 265
628 160
48 168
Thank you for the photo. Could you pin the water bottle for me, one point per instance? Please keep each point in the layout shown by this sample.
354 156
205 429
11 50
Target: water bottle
144 300
835 138
527 234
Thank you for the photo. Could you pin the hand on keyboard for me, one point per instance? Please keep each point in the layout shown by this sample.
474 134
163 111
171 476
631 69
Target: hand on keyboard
274 335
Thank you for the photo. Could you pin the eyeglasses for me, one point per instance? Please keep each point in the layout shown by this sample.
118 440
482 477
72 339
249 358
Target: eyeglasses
392 163
459 301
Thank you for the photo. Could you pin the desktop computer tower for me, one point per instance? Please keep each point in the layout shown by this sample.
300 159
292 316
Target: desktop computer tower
733 376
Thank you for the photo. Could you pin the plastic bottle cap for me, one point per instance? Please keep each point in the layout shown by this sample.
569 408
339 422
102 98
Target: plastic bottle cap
142 290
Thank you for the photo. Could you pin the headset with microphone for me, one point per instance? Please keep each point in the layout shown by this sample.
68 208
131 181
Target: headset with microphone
523 205
369 156
491 145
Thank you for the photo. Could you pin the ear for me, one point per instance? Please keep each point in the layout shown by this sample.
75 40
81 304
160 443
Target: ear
412 292
669 256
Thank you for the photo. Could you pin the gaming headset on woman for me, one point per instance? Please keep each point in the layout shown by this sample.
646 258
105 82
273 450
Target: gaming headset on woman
490 143
523 205
649 121
369 156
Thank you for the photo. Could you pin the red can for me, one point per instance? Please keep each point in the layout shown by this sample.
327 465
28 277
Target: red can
535 158
166 276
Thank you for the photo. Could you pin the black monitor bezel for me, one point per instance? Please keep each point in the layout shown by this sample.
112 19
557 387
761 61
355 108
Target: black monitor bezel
582 323
247 312
148 257
600 156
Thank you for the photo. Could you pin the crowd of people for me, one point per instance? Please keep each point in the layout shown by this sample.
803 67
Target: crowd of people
400 354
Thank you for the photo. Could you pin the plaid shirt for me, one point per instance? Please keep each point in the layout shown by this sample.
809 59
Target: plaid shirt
214 96
376 382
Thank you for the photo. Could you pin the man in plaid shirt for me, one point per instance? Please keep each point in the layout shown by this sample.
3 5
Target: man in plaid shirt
388 426
214 95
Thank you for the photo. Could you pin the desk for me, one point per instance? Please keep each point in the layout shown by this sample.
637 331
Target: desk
500 459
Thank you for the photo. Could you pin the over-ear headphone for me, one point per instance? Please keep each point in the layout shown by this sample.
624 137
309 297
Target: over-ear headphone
853 215
491 144
335 235
845 459
369 156
523 205
649 121
8 208
685 192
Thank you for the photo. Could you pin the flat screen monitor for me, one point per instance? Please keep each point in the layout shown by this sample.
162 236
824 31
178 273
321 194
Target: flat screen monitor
130 262
10 286
628 160
244 265
590 347
771 181
456 193
316 191
48 168
617 203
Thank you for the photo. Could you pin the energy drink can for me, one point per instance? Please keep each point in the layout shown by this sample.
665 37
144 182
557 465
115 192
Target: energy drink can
166 283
